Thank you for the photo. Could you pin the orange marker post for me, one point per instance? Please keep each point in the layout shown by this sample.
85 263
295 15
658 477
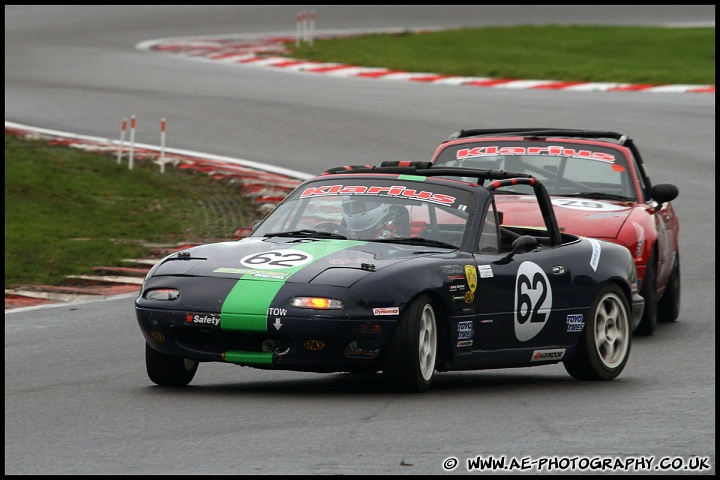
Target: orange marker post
132 142
162 146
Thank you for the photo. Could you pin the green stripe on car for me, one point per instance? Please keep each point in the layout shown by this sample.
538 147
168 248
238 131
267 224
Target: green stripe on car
245 308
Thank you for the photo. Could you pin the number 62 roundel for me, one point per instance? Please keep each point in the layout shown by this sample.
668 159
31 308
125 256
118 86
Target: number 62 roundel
533 301
275 259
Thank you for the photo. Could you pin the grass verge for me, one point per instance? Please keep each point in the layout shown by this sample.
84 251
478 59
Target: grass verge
652 55
68 210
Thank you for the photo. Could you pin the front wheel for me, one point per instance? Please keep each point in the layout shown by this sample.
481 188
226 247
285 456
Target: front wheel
410 360
168 371
604 346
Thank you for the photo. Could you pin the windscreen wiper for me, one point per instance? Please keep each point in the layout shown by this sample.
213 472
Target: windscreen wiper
306 233
416 241
599 196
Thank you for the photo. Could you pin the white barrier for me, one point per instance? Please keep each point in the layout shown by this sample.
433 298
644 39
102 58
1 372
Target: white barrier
132 142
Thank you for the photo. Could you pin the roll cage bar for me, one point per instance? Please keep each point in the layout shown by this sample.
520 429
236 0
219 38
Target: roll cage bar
499 178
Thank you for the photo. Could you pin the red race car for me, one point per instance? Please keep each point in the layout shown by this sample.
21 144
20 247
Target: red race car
599 188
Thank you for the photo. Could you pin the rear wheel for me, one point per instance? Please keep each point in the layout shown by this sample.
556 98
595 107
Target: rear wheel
669 304
410 360
169 371
648 322
604 346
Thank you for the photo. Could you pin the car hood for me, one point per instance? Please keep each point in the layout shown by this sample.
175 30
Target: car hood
579 216
306 260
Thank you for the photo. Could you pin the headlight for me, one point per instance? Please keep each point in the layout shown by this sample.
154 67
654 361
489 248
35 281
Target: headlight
162 294
318 303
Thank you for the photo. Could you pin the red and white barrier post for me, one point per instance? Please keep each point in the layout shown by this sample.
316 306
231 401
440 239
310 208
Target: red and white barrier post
162 146
299 20
122 141
132 142
311 35
304 25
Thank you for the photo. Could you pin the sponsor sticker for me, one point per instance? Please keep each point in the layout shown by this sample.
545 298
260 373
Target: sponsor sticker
640 232
550 150
465 326
386 311
465 343
485 271
346 261
313 345
595 258
392 191
465 330
451 269
472 276
253 272
545 355
575 323
199 319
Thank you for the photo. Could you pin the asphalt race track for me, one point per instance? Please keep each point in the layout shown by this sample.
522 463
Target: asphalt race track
77 397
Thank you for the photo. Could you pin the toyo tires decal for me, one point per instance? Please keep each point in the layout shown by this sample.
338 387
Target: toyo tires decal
245 308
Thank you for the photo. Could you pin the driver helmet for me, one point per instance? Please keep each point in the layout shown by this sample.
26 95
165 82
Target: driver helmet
362 213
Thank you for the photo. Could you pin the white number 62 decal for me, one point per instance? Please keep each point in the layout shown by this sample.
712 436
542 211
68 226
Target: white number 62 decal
275 259
533 301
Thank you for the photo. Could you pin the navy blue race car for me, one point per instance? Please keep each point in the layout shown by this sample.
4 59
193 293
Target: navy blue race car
404 268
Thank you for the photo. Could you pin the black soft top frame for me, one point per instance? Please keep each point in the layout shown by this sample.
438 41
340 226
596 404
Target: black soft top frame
500 178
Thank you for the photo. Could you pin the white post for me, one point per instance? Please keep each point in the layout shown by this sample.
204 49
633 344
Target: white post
162 146
312 27
304 25
132 142
122 141
298 33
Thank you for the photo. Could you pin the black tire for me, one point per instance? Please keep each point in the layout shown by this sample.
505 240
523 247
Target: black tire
168 371
648 322
669 304
604 346
412 352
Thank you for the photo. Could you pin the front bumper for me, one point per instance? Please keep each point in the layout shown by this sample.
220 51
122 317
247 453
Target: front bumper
313 343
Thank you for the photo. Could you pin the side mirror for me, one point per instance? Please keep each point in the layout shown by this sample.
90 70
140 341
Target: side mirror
523 244
664 192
